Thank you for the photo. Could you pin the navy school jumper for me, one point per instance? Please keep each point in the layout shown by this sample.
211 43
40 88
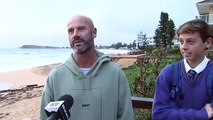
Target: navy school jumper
194 96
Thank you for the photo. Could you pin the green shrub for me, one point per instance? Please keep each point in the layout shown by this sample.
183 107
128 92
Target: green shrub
142 77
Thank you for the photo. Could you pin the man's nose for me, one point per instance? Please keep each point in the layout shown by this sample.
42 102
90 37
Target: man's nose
75 35
75 32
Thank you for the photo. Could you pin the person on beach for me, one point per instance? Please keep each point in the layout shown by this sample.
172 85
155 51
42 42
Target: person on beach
98 86
188 98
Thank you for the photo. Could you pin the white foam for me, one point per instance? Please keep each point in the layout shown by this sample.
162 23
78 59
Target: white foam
5 85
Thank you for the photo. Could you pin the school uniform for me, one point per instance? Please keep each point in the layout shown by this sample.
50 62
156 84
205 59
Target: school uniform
189 104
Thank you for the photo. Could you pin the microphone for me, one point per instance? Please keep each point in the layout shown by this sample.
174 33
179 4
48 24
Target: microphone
59 109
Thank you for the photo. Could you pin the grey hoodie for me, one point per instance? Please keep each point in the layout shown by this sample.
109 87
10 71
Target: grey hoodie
102 94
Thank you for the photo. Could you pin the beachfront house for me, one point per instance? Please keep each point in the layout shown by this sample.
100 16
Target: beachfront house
205 9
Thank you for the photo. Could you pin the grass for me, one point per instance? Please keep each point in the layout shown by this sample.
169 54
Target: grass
132 72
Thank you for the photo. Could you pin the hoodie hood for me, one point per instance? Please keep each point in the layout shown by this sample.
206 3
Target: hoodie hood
75 70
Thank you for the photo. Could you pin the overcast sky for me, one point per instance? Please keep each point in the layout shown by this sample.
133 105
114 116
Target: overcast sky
43 22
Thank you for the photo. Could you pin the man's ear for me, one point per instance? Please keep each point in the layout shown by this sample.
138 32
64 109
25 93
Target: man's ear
94 33
209 42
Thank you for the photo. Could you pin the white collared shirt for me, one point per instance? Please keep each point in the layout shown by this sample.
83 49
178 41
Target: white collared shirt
199 68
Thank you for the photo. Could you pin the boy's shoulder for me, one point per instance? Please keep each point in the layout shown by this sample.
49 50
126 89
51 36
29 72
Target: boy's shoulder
170 67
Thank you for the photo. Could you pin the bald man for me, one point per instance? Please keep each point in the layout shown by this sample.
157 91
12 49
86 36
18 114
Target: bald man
98 86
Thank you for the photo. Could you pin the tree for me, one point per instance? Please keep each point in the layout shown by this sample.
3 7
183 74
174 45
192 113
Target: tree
134 44
157 38
142 40
117 45
165 32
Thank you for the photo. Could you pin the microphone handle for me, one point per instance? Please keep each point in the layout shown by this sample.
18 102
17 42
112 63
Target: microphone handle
53 116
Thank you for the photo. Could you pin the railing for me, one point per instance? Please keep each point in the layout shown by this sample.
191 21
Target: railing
144 103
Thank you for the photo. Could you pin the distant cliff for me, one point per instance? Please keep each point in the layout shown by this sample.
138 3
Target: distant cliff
38 46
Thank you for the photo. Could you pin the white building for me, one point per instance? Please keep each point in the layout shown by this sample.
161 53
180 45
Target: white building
205 9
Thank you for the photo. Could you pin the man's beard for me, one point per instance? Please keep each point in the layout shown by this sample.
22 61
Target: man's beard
83 46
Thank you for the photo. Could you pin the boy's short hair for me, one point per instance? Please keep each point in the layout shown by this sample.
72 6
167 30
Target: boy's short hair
196 25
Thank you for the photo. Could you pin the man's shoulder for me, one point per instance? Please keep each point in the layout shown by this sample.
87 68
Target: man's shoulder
58 68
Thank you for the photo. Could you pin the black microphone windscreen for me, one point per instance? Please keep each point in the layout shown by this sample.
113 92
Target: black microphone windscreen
68 101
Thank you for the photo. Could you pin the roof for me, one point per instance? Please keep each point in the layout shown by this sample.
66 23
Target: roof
205 1
203 6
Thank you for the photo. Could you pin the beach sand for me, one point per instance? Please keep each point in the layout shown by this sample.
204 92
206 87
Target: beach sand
21 78
22 100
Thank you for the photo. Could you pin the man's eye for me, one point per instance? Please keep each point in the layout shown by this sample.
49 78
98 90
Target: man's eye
81 29
70 31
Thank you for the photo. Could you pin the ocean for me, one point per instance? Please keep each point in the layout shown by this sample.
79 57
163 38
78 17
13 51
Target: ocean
14 59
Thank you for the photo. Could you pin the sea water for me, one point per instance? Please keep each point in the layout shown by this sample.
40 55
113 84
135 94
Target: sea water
15 59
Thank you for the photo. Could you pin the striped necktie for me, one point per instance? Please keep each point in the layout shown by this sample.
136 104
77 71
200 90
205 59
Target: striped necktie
191 75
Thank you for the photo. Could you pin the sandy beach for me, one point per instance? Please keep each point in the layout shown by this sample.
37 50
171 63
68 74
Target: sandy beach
20 78
20 90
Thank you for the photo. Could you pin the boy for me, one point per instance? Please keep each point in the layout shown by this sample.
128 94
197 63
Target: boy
191 101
